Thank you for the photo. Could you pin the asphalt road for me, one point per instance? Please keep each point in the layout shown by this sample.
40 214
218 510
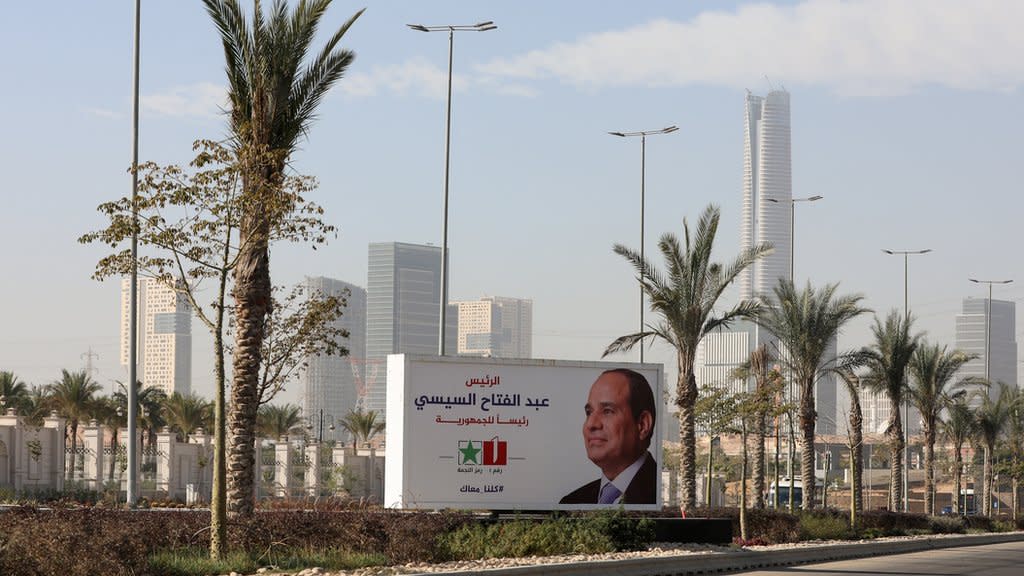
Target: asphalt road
1005 559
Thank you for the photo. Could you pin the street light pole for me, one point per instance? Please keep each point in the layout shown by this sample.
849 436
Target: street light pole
131 491
479 27
906 401
643 177
988 323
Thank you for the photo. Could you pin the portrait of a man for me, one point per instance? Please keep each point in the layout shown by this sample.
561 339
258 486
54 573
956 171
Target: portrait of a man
620 415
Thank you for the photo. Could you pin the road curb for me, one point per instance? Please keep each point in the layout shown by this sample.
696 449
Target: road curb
696 564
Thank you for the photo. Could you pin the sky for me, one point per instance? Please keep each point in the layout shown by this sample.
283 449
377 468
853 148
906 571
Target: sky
906 117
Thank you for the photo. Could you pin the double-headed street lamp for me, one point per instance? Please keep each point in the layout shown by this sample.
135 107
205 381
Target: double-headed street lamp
906 401
643 134
479 27
988 322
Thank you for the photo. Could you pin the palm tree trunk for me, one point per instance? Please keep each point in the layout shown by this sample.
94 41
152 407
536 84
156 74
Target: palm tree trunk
986 498
252 303
895 433
113 452
74 450
686 397
929 468
807 443
759 461
957 479
743 482
856 459
778 454
707 476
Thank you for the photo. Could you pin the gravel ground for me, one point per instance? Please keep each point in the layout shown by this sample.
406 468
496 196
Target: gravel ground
655 550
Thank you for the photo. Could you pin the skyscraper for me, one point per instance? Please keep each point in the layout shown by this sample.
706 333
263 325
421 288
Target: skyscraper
767 176
403 291
972 326
767 217
164 335
332 382
496 326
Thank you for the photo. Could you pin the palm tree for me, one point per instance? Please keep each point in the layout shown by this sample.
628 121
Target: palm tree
12 391
991 419
958 428
274 421
112 412
186 413
35 405
932 369
1015 427
887 360
806 323
685 301
767 382
274 98
856 440
72 396
363 426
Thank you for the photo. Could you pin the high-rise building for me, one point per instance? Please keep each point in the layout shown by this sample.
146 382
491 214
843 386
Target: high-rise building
403 293
767 217
974 325
164 335
767 190
496 326
332 382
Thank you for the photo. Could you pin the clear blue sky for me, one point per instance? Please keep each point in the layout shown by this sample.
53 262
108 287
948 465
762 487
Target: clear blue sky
907 117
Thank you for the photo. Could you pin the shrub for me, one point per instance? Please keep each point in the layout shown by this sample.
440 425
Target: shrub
946 525
764 525
824 525
877 523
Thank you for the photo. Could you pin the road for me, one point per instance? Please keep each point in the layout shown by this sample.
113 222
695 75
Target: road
992 560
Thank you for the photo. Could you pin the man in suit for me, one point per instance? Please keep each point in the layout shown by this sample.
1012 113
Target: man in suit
617 434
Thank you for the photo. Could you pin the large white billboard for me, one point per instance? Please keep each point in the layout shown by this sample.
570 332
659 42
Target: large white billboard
487 433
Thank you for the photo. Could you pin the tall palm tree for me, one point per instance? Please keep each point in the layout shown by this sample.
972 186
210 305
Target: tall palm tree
991 419
36 405
72 396
275 84
760 367
112 412
958 427
932 369
806 322
274 421
856 440
363 426
887 360
1015 432
684 299
185 413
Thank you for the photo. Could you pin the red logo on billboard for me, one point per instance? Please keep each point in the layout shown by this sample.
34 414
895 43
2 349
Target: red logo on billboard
495 452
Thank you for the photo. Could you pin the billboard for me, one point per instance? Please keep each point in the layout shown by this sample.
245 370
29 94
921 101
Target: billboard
510 434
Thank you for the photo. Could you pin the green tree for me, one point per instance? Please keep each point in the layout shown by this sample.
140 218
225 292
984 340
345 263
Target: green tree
274 421
12 392
958 428
806 322
888 359
186 413
855 440
932 369
273 101
73 396
991 419
715 413
362 425
763 403
684 299
36 405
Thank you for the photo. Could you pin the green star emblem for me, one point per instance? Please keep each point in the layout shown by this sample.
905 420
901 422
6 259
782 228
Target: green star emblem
470 453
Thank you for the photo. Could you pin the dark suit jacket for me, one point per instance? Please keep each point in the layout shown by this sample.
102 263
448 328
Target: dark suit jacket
640 490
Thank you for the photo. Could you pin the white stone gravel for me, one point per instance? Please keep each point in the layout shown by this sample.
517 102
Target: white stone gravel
655 550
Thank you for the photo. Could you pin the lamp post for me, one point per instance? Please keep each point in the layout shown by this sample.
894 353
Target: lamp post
906 402
479 27
988 321
643 134
792 278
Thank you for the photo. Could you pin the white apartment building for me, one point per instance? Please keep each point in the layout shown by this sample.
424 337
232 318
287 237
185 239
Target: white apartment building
496 326
164 335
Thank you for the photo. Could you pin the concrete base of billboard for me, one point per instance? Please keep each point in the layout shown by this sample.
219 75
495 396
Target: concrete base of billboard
693 530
